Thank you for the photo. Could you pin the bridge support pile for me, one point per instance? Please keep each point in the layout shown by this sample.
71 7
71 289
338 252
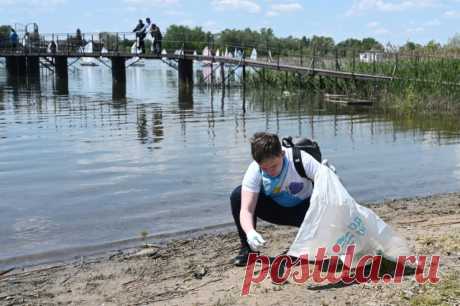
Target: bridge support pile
33 66
62 74
118 77
185 69
16 66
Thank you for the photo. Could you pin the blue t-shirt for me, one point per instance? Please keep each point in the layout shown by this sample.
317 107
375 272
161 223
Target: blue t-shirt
288 189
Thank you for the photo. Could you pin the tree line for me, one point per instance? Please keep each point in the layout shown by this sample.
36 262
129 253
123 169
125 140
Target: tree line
195 38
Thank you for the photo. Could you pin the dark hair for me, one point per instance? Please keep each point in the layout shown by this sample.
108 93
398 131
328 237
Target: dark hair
264 146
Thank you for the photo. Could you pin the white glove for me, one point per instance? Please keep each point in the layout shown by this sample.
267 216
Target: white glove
255 240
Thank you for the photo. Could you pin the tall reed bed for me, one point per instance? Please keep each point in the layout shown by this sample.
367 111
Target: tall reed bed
420 83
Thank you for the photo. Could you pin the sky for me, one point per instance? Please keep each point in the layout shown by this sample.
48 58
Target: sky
386 20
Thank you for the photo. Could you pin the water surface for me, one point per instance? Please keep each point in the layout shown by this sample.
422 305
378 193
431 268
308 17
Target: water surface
80 168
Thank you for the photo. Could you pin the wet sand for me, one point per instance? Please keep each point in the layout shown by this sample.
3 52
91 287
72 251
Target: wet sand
197 271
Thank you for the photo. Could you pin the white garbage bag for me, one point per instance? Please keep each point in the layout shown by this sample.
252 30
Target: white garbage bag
334 217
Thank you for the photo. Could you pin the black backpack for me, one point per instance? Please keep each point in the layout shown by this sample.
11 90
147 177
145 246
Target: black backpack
302 144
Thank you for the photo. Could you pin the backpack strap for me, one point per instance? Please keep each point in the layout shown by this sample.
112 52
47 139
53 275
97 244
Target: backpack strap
297 157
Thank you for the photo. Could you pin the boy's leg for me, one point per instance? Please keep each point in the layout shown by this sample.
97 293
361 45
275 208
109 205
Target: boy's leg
274 213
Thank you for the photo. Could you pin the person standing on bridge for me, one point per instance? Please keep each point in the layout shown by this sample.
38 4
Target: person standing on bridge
14 39
157 37
147 26
140 35
272 190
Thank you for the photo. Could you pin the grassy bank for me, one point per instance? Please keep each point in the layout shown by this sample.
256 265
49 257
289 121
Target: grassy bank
419 84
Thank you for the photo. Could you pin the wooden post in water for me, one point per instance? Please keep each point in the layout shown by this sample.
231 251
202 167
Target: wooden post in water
118 77
21 66
17 66
222 77
11 64
62 75
212 68
244 88
60 67
263 79
33 66
228 78
185 69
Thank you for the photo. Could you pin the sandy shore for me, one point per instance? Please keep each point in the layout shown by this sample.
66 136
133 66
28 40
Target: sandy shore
198 271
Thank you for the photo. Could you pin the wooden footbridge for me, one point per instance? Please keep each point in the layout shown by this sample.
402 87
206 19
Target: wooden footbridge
53 52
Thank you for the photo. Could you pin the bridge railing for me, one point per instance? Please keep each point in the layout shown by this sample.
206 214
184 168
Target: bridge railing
374 62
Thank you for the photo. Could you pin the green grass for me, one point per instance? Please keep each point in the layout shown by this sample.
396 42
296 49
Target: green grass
446 292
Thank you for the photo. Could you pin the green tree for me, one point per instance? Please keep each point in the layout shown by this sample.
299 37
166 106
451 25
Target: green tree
306 41
4 33
433 46
370 43
177 36
322 44
350 43
410 46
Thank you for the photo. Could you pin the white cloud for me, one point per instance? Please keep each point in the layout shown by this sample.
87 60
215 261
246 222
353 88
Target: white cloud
211 26
377 29
433 23
277 9
372 24
238 5
361 6
452 14
381 31
415 30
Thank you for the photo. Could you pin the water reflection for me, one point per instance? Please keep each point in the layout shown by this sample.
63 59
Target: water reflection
61 87
185 99
156 124
79 159
157 130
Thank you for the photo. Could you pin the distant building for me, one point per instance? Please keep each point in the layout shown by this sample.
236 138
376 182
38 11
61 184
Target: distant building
371 56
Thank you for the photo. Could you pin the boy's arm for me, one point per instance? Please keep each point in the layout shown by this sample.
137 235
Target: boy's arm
249 195
248 207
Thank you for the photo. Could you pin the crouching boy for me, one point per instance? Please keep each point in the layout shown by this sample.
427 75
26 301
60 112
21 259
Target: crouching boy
272 190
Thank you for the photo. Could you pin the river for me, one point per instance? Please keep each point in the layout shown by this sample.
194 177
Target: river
81 169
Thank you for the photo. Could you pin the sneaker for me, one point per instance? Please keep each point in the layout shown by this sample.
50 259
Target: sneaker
241 259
